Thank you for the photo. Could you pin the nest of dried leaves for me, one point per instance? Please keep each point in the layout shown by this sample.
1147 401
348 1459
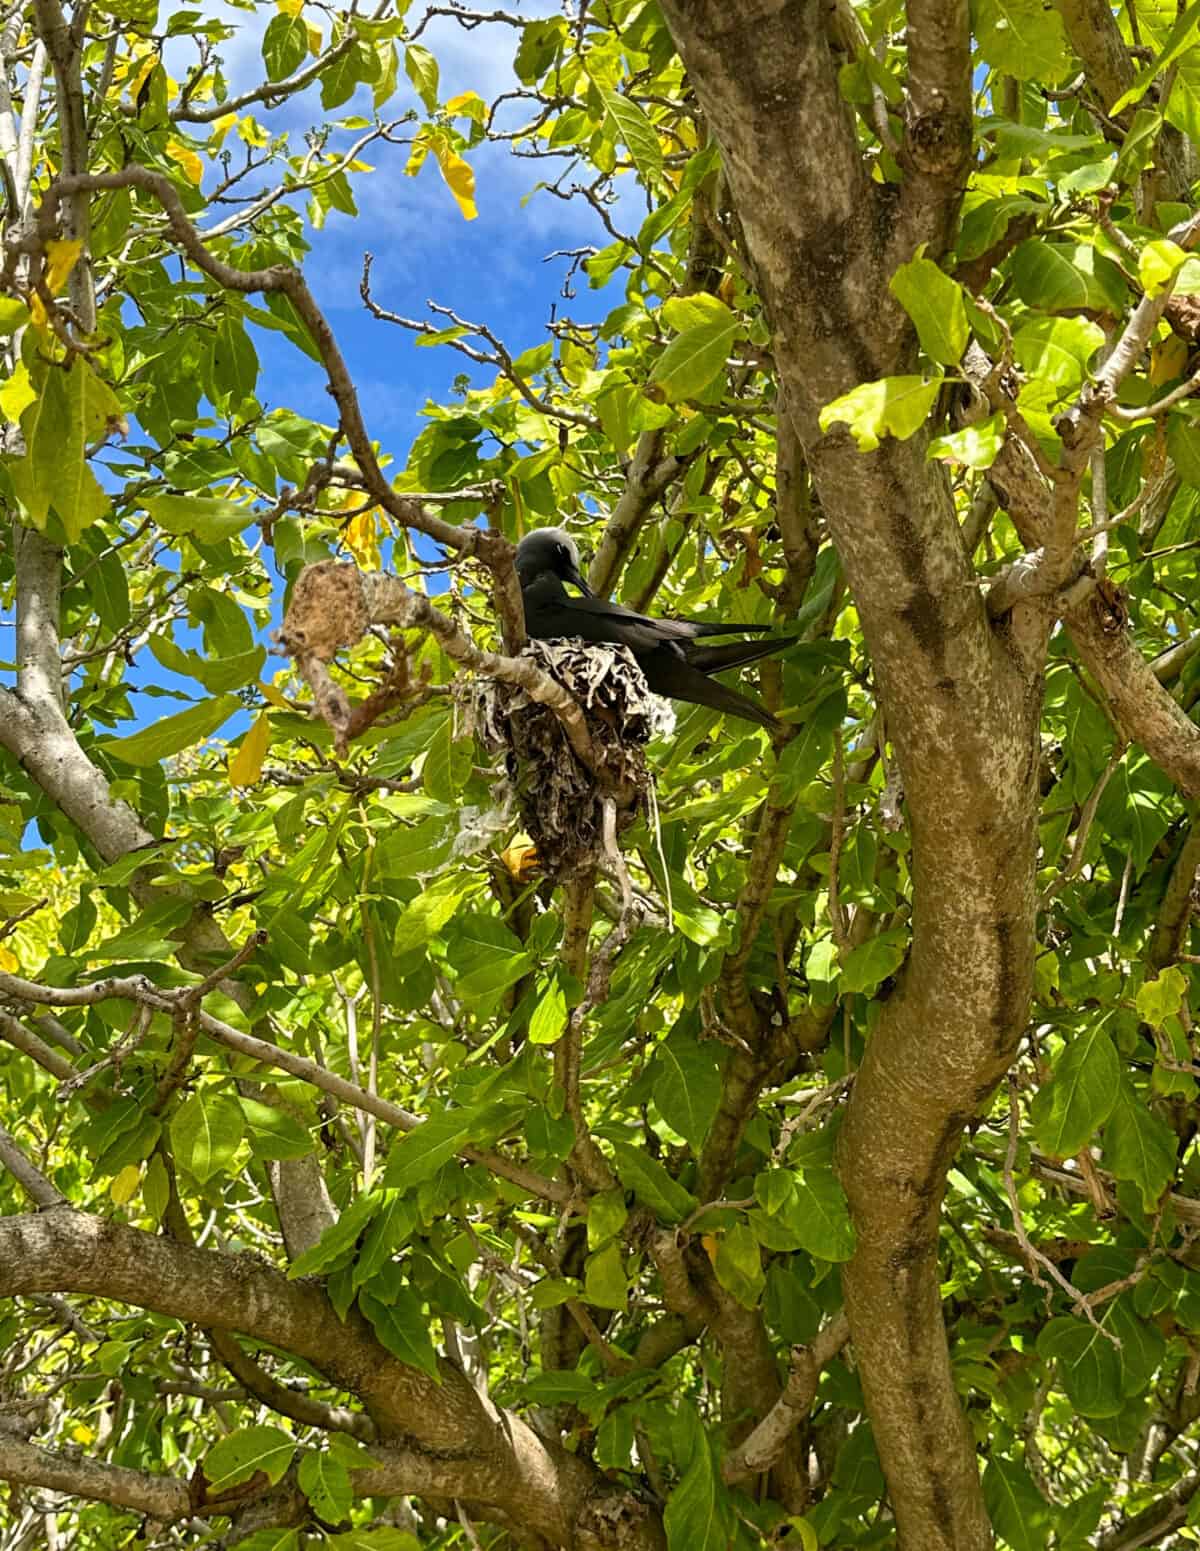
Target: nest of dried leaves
562 804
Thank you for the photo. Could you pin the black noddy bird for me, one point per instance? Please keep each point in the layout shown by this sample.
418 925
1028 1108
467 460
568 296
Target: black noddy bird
666 649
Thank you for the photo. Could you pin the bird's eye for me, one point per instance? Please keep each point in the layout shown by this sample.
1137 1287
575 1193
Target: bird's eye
563 553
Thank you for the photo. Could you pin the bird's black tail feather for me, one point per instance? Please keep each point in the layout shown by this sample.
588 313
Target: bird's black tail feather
716 659
718 627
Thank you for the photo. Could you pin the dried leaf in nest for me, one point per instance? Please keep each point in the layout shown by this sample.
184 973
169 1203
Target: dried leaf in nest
561 803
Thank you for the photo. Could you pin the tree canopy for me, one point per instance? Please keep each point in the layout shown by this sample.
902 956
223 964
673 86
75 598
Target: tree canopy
437 1116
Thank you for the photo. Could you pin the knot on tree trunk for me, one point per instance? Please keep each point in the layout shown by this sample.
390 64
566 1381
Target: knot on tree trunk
939 143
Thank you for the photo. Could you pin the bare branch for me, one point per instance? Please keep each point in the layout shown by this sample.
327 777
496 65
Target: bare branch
763 1447
30 1178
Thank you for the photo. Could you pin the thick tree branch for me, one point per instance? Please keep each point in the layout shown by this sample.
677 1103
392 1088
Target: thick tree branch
646 478
156 1497
938 124
442 1422
962 704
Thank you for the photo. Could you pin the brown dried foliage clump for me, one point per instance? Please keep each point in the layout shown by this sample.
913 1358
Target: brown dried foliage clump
562 803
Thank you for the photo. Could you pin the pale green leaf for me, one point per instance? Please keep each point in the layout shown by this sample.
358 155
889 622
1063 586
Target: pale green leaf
246 1452
936 306
890 406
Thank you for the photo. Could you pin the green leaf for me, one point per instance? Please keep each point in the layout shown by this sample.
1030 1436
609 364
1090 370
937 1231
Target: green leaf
1139 1145
378 1539
1089 1365
1067 277
538 48
687 1086
866 967
604 1278
692 360
890 406
626 122
402 1328
205 1133
739 1265
1158 264
424 918
1071 1108
422 70
14 315
607 1215
651 1183
1181 37
1161 998
234 359
1017 1509
549 1016
493 955
244 1454
284 46
173 734
935 304
1022 38
976 446
696 1516
336 1245
819 1217
274 1134
53 473
805 754
421 1153
389 1232
1057 350
690 312
325 1481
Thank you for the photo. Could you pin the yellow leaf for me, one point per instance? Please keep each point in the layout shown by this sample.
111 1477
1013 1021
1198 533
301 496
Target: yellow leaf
315 40
252 133
62 254
416 157
460 179
8 960
193 167
1167 360
290 7
138 80
82 1433
17 393
708 1240
273 696
521 861
124 1185
362 540
457 104
221 127
245 766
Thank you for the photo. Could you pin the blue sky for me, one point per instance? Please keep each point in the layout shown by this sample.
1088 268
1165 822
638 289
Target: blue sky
491 270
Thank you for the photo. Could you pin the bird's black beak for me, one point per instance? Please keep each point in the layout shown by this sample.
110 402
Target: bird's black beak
576 580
